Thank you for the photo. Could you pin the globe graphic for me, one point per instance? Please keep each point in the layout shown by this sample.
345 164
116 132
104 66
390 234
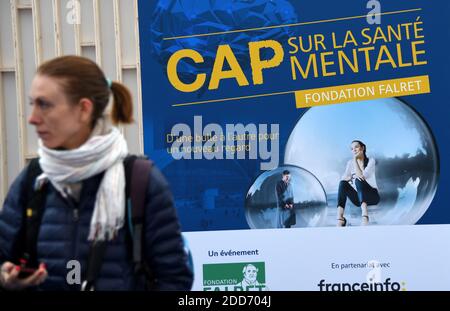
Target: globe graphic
310 203
396 136
209 19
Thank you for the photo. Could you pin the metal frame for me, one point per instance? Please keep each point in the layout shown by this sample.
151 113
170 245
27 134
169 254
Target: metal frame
138 74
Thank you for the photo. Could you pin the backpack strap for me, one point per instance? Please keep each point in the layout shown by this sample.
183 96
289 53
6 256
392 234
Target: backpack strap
32 215
137 173
138 182
94 264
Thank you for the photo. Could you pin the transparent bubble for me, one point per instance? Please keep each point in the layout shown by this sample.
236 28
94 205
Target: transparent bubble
308 200
407 161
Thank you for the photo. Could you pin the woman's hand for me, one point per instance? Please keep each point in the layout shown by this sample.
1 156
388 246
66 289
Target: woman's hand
357 155
9 277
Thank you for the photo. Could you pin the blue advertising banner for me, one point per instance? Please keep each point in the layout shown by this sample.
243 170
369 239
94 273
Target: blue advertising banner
323 124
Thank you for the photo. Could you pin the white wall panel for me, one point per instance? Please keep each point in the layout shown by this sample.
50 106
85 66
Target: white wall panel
132 131
12 131
67 27
47 29
87 22
108 50
88 51
24 3
28 68
3 158
128 36
6 51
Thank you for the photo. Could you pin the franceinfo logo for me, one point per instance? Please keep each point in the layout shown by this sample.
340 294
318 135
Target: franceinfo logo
384 286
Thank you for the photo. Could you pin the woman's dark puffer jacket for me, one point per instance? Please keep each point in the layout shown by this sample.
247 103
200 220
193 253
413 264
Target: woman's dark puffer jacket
63 237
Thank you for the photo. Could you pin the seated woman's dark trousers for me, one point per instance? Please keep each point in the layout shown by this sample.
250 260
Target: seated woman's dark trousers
363 193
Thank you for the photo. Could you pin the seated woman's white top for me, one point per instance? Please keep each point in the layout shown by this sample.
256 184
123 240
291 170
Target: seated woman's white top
368 172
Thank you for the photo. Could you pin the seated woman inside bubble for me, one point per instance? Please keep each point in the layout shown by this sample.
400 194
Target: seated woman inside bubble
358 183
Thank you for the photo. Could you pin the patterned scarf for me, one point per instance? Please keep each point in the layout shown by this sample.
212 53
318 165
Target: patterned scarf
101 153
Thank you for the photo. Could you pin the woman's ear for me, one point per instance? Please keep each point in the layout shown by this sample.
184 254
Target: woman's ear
86 109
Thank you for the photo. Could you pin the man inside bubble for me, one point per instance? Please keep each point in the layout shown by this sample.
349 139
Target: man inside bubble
285 201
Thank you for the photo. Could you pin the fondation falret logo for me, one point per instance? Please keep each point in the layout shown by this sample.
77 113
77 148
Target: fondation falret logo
244 276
